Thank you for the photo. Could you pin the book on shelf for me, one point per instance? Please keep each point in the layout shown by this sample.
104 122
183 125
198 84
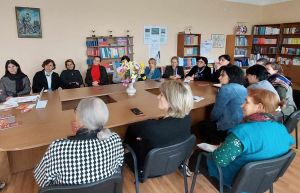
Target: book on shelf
291 51
91 43
255 57
291 30
92 51
264 50
266 30
240 52
289 61
190 40
191 51
294 41
264 40
241 62
186 62
241 41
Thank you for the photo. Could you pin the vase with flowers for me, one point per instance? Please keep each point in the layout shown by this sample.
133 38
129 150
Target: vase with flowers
129 73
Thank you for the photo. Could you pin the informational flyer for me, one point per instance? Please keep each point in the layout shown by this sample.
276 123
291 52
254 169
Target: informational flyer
154 52
155 34
206 47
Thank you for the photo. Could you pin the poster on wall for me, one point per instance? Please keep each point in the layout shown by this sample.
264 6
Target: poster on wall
155 34
206 47
28 22
218 40
154 52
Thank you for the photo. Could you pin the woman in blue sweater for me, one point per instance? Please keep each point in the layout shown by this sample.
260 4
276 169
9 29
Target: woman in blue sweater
227 112
151 72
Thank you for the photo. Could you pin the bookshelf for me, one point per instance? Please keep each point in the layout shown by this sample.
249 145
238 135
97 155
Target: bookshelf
266 39
109 48
239 48
188 47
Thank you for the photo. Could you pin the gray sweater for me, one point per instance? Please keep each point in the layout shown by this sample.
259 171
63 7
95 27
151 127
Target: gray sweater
8 88
264 84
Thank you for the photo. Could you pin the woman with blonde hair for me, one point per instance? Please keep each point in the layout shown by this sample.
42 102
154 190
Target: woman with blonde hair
176 100
259 137
94 153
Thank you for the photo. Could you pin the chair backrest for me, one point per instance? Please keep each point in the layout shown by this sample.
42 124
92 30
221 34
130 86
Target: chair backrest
292 121
258 177
112 184
162 161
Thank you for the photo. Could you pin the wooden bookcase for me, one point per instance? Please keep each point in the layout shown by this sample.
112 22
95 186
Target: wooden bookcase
109 48
266 40
288 47
188 45
239 48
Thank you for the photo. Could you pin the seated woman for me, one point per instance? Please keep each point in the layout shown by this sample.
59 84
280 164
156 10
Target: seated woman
116 78
259 137
174 71
94 153
224 60
70 78
257 76
151 72
201 71
283 87
14 83
227 111
46 78
96 75
176 100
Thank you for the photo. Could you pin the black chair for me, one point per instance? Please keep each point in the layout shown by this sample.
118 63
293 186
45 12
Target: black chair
112 184
163 161
292 124
254 177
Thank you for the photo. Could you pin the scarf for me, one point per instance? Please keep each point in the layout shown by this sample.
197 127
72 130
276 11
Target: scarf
18 78
258 117
279 80
96 73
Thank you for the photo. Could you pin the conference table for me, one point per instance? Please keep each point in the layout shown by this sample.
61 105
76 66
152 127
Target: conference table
22 147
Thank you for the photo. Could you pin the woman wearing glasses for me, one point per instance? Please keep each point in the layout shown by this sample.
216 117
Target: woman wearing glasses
201 71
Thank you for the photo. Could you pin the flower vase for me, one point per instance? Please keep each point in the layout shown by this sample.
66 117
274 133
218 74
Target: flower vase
131 90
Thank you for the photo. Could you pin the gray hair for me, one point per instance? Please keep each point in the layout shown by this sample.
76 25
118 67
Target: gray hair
92 113
179 97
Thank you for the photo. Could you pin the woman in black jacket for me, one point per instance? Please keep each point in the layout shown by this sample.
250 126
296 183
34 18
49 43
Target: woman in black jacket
174 71
46 78
96 75
70 78
176 100
201 71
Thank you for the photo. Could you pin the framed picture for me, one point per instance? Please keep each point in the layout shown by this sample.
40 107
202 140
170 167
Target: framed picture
28 22
218 40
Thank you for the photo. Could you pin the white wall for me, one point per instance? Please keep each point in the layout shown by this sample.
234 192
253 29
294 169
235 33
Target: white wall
66 24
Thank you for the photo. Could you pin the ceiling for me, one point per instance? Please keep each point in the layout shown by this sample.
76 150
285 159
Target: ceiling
258 2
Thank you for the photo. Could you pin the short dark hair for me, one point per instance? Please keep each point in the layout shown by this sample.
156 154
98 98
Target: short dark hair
259 71
235 74
46 62
70 60
11 61
174 57
202 58
225 56
125 58
98 57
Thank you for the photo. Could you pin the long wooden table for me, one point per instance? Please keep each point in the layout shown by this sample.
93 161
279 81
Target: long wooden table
21 147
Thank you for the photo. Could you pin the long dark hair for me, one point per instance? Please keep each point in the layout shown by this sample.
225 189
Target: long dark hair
11 61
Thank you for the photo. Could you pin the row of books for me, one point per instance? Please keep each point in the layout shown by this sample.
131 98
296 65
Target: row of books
264 41
242 62
113 52
291 30
291 41
92 51
289 61
187 62
190 40
292 51
190 51
255 57
240 52
241 41
106 41
264 50
264 30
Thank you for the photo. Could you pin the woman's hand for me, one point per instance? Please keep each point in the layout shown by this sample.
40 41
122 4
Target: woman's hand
95 83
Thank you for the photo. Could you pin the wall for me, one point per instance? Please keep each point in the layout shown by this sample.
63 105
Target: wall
66 24
281 13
